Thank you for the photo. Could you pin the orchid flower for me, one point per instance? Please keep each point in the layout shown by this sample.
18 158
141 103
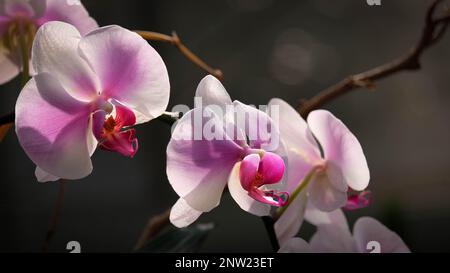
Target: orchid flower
325 160
87 92
19 20
238 154
333 235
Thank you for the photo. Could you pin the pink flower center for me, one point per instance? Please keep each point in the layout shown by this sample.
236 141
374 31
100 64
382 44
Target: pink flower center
112 132
256 172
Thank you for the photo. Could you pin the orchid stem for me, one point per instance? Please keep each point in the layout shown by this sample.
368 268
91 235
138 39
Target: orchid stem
301 186
25 55
55 217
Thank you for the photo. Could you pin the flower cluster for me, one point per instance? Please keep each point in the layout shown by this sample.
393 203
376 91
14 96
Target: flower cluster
91 85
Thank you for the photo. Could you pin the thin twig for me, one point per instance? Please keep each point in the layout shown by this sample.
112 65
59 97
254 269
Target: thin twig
433 31
55 217
175 40
153 227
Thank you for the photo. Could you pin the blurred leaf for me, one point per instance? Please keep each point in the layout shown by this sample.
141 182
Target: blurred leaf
184 240
4 130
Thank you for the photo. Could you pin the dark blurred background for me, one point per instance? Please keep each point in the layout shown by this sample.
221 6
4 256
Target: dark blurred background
266 48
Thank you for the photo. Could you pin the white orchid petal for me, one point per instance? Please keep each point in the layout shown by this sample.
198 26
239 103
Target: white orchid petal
129 69
55 51
341 147
182 215
368 230
295 245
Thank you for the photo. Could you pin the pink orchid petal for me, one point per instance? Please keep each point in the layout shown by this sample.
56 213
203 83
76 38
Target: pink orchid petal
248 170
43 176
47 119
130 70
182 215
261 131
341 147
91 139
324 195
302 149
332 239
241 196
271 168
317 217
367 229
212 92
76 15
55 51
289 223
198 168
295 245
98 119
333 233
358 201
335 176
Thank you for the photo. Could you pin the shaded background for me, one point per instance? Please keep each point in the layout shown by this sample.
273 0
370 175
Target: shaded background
266 48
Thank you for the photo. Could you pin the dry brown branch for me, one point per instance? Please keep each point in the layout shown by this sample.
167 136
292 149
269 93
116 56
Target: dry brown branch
175 40
432 32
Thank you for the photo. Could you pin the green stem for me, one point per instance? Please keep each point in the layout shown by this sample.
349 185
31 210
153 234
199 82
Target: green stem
301 186
25 54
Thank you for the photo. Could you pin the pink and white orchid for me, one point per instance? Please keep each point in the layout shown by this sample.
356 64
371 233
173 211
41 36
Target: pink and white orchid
326 154
87 92
238 154
19 20
333 236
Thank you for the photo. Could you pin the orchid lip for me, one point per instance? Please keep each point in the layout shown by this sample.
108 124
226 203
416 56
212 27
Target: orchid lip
113 133
259 169
270 197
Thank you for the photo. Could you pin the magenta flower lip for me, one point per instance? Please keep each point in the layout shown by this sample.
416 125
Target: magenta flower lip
256 172
112 132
